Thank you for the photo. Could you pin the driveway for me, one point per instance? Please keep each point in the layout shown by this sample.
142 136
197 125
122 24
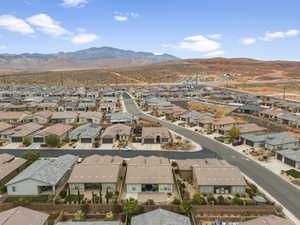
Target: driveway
106 146
11 146
84 146
34 146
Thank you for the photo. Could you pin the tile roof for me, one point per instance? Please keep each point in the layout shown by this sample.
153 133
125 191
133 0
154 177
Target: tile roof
56 129
160 217
23 130
85 131
21 215
8 164
153 132
117 129
268 220
291 154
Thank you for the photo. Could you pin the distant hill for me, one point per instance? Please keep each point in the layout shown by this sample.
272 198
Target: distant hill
91 58
154 73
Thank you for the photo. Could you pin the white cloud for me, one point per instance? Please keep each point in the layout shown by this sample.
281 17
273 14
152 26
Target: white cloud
11 23
248 41
215 53
47 25
215 36
84 38
121 18
74 3
3 47
270 36
199 43
292 33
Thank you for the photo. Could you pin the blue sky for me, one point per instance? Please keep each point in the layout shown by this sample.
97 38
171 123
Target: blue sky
262 29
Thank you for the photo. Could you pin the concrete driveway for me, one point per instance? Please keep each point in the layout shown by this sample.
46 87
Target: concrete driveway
106 146
11 146
34 146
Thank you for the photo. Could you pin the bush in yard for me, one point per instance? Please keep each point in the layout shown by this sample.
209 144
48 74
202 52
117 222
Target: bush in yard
186 207
221 200
237 201
52 141
31 156
176 201
117 208
198 199
234 133
211 199
26 141
149 202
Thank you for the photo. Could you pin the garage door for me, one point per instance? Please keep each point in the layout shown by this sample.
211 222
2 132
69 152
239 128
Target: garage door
38 140
107 140
250 143
86 140
290 162
279 157
17 139
149 141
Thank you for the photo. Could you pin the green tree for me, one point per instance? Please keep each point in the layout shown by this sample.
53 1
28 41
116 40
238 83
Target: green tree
198 199
234 133
31 156
26 141
132 208
52 140
186 207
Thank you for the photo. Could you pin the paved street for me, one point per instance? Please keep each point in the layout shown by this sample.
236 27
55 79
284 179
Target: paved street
284 192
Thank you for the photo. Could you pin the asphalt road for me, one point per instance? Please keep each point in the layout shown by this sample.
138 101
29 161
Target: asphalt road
282 191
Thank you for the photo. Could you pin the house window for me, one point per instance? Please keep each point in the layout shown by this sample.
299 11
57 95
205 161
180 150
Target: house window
14 189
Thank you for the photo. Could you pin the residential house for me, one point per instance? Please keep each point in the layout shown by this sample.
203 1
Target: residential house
86 106
64 117
90 117
23 216
160 217
17 134
41 117
10 166
96 173
250 109
247 128
289 157
43 176
273 141
218 177
219 123
212 175
60 130
88 133
289 119
68 106
268 220
116 132
270 113
107 107
90 223
120 117
152 174
5 126
194 117
12 117
53 106
155 135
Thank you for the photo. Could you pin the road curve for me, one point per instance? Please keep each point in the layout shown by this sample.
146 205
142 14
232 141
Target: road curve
282 191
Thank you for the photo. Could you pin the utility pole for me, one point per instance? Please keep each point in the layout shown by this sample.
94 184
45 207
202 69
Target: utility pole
284 89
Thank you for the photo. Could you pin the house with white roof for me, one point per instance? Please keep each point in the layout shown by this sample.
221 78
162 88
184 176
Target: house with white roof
43 176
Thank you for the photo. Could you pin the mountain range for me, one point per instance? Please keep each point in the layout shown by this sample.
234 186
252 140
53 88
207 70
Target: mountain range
91 58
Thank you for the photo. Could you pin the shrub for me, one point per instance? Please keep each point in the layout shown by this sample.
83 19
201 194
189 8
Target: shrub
26 141
52 140
221 200
31 156
198 199
117 208
237 201
149 202
176 201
